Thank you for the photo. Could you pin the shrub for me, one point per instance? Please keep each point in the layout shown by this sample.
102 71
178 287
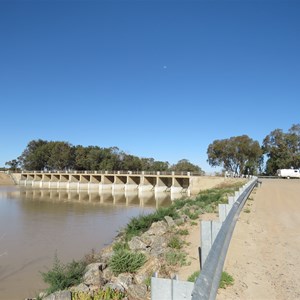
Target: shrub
175 258
125 261
62 276
175 243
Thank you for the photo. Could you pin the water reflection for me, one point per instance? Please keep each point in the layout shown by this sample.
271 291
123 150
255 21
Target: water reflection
147 199
34 224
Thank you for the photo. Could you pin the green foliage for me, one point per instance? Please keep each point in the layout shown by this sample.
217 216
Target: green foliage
282 149
235 154
183 231
193 277
226 280
206 201
175 242
120 246
147 281
124 261
140 224
184 165
101 294
62 276
176 258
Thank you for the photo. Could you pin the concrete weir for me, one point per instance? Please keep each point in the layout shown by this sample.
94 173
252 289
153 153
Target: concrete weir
115 182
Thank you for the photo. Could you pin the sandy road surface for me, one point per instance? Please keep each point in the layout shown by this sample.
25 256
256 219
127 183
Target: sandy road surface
264 254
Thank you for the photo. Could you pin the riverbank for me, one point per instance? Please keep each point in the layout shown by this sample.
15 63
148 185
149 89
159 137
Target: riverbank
164 242
5 179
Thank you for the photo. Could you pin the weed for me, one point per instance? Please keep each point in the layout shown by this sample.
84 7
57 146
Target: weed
124 261
183 231
194 223
175 258
247 210
175 243
147 281
119 246
62 276
226 280
101 294
193 277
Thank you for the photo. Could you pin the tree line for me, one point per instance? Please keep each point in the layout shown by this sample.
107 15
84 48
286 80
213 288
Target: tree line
60 155
243 155
238 155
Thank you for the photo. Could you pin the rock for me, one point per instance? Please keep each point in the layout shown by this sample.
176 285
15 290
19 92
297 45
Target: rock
93 275
125 279
137 292
147 270
136 244
159 245
170 221
107 274
60 295
158 228
80 288
115 286
106 253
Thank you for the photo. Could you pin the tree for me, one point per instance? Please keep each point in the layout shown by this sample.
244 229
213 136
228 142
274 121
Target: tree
13 164
282 149
184 165
60 155
35 156
236 154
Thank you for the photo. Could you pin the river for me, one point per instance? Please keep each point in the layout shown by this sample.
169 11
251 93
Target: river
37 224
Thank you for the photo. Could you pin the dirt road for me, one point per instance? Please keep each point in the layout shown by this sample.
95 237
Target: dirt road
263 256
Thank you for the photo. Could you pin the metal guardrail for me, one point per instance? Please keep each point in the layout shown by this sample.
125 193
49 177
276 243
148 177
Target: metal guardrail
207 284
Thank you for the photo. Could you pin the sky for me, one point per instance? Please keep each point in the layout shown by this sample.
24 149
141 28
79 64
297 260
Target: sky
160 79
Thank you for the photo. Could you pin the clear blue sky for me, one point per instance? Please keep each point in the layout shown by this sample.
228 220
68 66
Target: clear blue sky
160 79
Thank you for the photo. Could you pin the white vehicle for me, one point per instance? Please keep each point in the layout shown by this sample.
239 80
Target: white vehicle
288 173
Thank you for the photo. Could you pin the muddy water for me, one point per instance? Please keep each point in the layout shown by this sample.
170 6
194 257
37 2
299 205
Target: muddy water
36 224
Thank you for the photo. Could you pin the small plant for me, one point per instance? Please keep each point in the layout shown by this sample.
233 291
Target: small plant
247 210
125 261
62 276
101 294
226 280
175 243
175 258
147 281
183 232
193 277
194 223
119 246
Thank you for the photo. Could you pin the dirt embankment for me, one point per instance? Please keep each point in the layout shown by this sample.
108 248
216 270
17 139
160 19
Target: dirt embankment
5 179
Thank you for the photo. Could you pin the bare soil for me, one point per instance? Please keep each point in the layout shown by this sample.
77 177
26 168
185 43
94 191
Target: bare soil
5 179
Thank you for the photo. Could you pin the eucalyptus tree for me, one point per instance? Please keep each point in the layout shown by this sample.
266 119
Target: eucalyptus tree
239 154
282 149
